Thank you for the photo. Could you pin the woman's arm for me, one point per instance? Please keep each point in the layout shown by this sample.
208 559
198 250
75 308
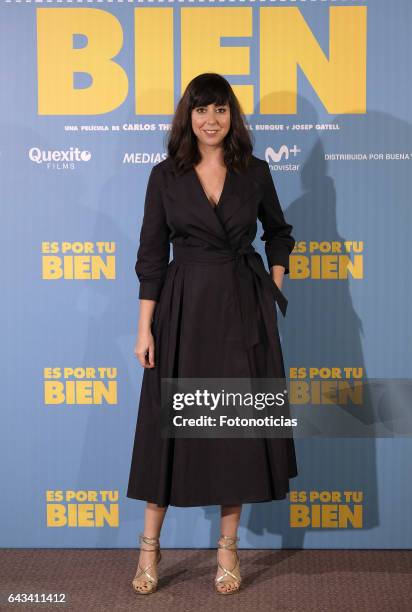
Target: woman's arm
144 347
151 265
277 273
279 241
154 248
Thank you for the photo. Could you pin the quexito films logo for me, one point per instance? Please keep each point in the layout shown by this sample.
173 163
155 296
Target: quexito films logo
58 159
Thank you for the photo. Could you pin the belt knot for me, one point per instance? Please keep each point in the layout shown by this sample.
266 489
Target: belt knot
243 250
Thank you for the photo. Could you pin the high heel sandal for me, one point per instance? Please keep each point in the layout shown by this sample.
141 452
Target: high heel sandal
229 544
148 584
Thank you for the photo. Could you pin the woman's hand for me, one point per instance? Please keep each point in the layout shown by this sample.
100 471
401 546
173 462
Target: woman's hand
278 283
277 275
145 347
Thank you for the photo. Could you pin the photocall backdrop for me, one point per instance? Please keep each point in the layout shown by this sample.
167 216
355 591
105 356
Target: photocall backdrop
88 91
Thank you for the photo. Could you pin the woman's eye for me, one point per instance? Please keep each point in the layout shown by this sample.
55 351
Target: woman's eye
200 109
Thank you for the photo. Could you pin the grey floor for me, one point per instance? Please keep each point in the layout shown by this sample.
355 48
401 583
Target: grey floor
293 580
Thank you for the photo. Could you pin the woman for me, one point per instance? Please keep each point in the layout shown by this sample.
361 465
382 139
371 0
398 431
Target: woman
208 313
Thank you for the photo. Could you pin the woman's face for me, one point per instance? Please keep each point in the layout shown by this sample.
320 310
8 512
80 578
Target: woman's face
211 123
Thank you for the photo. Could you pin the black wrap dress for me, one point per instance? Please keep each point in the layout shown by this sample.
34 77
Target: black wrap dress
215 317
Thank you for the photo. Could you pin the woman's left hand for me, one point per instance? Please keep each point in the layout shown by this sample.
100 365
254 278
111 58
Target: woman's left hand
277 273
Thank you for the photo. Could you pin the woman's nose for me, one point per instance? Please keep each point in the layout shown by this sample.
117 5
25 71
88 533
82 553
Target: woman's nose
210 116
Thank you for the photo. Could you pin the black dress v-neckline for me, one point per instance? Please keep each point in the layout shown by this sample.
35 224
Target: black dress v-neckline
199 182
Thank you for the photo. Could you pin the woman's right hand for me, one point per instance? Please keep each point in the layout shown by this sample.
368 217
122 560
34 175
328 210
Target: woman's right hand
145 347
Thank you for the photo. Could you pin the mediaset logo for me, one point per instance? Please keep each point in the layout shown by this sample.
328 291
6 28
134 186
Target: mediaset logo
142 158
59 159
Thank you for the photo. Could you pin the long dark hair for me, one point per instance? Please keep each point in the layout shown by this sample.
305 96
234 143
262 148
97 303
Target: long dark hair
208 88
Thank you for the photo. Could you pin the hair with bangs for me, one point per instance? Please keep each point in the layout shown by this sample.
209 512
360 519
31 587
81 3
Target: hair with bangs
208 88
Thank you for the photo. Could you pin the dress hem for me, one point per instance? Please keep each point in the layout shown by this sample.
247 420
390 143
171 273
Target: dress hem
215 503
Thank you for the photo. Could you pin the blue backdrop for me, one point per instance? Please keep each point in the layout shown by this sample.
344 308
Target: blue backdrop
72 205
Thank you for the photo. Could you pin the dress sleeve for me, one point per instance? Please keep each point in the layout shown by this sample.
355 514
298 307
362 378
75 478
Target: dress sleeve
154 248
279 241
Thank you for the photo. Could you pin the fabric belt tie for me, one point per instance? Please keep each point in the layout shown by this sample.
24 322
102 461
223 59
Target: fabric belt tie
242 257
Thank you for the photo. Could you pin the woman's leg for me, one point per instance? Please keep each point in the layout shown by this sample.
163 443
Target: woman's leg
229 523
153 521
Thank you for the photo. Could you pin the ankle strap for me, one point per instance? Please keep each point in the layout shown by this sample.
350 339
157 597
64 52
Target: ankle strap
228 541
152 541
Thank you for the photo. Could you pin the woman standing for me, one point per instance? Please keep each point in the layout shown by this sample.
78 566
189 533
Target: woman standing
209 313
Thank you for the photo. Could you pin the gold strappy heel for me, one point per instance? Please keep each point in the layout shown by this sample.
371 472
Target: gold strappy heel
234 573
148 583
